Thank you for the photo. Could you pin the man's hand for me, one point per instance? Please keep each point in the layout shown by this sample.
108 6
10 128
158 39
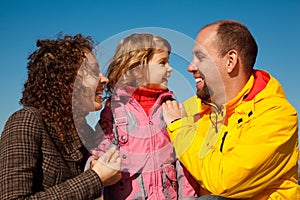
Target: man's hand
172 110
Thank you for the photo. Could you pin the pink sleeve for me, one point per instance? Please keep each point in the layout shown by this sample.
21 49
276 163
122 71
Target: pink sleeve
105 130
104 134
188 186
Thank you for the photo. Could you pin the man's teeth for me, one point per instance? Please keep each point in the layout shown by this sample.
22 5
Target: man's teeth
197 80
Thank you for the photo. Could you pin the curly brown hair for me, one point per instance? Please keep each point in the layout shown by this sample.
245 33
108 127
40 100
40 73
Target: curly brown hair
52 70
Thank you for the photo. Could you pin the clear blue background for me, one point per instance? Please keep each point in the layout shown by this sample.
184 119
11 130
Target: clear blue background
274 24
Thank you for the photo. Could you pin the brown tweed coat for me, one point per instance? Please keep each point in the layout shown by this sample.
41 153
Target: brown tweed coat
35 164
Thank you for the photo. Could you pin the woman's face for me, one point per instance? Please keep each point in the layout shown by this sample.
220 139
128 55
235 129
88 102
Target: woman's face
159 71
94 82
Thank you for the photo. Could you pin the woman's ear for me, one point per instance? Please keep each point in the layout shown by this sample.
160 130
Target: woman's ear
232 60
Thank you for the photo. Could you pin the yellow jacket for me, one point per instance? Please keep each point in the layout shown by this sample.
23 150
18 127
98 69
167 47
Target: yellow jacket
246 150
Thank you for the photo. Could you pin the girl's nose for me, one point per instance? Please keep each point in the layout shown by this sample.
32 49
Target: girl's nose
169 68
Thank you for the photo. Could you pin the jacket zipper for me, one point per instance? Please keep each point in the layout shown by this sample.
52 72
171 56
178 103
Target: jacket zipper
154 106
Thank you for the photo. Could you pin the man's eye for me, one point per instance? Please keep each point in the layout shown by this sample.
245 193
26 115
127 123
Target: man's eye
199 57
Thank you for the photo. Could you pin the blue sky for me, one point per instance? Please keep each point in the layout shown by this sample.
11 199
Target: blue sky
274 24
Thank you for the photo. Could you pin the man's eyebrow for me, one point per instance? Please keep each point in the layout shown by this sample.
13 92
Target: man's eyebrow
199 53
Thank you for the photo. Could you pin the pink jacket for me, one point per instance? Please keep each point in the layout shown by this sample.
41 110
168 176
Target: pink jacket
149 165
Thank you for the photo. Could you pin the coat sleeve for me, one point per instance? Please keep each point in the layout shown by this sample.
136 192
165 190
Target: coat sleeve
264 153
20 166
106 128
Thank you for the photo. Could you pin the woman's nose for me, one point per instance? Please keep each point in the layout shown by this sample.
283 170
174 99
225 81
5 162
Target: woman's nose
103 79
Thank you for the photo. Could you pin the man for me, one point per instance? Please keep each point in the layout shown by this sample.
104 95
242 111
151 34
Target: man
240 136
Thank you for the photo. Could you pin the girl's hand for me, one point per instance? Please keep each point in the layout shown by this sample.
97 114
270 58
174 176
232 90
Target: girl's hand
172 110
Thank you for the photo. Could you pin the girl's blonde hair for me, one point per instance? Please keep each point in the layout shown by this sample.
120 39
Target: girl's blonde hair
133 53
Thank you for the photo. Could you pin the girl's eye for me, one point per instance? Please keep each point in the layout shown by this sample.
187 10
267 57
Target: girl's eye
162 63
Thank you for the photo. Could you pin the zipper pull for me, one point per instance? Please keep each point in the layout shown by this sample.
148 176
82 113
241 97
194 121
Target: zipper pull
223 140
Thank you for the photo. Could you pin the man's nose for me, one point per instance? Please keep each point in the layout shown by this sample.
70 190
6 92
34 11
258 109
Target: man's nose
192 67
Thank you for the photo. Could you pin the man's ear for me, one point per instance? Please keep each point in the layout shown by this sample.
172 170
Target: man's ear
232 60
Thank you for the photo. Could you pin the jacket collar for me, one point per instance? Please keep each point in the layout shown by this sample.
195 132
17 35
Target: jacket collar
256 83
127 93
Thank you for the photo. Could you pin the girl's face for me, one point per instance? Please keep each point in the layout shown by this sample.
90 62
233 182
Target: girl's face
159 71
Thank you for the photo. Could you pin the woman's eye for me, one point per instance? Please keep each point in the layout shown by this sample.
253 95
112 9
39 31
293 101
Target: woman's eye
162 63
94 73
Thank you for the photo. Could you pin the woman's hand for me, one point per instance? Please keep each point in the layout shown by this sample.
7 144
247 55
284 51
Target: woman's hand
108 167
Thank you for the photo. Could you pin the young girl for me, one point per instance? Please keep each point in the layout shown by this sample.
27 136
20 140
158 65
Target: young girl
132 120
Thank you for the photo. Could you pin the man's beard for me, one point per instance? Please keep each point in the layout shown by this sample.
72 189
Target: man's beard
204 93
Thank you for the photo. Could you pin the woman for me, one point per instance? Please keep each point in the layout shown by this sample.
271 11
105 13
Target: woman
43 146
